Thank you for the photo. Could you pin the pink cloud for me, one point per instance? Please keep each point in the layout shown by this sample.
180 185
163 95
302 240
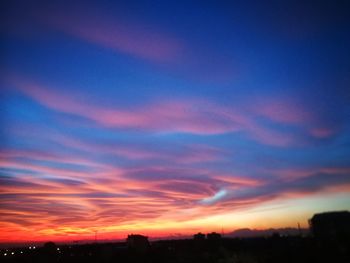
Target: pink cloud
283 110
171 116
137 195
291 174
236 180
322 132
200 153
296 112
10 154
42 169
168 116
270 136
138 40
184 154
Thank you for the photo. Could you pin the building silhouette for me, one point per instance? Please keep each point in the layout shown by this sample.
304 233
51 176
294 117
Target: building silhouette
331 225
137 242
199 236
213 236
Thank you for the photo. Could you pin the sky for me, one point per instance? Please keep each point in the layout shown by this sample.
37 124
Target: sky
166 118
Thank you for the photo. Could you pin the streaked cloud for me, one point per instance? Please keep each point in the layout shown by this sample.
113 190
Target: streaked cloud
170 118
187 116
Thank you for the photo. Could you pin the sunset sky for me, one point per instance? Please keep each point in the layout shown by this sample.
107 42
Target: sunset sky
171 117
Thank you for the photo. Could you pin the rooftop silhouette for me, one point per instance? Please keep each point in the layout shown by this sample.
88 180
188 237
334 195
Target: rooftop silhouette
328 242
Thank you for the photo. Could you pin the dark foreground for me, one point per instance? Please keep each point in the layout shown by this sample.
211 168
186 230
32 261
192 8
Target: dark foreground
250 250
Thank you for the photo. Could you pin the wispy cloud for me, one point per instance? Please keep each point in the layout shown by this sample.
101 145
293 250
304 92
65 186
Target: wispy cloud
138 40
97 205
119 117
186 116
297 112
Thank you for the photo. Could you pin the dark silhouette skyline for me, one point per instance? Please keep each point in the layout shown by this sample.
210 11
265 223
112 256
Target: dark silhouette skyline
328 241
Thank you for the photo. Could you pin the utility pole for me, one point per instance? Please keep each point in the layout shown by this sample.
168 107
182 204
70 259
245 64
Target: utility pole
299 229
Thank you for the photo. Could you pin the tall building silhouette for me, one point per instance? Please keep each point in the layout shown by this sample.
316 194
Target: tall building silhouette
331 225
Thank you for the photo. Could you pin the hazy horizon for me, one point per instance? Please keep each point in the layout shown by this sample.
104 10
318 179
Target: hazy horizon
236 233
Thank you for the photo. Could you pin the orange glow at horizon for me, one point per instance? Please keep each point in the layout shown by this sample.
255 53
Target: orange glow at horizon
290 214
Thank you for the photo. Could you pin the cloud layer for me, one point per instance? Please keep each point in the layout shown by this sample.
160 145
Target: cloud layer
163 118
